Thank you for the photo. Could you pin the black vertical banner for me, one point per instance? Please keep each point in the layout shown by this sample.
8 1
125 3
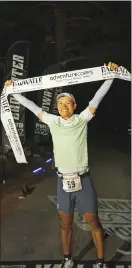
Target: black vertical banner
16 67
47 100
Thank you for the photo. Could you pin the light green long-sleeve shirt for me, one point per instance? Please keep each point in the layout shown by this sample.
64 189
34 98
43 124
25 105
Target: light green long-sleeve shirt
70 141
70 144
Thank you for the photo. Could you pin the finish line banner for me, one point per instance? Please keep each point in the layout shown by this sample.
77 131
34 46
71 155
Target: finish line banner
45 82
56 264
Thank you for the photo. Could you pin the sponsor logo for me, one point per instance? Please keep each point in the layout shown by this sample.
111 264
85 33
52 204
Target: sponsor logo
42 129
13 135
17 67
20 128
29 81
73 75
120 71
15 108
16 73
4 103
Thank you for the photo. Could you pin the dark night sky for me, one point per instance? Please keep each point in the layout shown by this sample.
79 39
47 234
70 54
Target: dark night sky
102 34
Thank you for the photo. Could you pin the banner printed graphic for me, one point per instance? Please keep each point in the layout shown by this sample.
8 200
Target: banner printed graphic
50 81
48 102
16 68
56 264
10 127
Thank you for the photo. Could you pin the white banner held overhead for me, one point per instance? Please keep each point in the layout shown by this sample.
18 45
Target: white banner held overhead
50 81
67 78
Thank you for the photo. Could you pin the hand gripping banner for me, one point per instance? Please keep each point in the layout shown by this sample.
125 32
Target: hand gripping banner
45 82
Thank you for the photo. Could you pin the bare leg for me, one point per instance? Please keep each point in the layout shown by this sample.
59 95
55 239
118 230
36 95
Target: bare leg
97 232
66 221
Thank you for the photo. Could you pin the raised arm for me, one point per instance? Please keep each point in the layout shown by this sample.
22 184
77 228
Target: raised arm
94 103
29 105
43 116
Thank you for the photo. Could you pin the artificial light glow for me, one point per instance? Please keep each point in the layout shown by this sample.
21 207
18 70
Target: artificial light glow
38 169
49 160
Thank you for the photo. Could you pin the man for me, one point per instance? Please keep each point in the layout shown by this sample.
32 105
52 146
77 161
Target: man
69 134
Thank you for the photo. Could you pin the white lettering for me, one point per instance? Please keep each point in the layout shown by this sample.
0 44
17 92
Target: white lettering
4 103
15 108
47 94
15 112
46 101
15 72
46 109
18 58
34 80
14 101
17 65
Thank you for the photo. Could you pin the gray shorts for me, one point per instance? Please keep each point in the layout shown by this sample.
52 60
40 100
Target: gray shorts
85 200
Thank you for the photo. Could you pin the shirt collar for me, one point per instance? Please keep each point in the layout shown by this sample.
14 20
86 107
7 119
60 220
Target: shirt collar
68 121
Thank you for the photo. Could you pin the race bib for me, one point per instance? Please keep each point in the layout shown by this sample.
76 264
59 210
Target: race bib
71 183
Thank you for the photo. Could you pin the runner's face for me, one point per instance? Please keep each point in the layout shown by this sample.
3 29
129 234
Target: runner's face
66 107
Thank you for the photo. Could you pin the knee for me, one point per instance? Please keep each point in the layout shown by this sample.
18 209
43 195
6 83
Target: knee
94 223
65 225
66 221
